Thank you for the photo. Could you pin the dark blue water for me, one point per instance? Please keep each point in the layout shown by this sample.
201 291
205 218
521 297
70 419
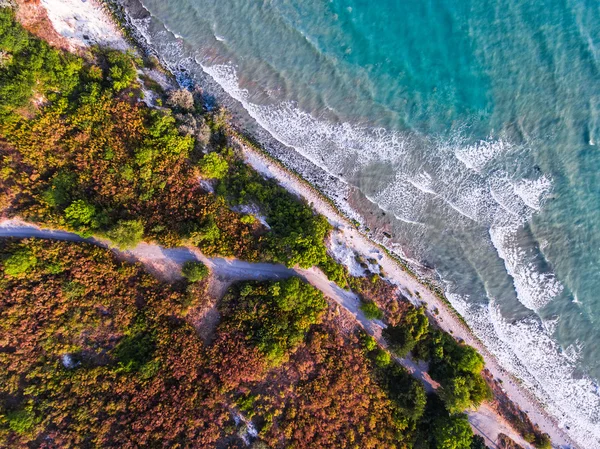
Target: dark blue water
472 124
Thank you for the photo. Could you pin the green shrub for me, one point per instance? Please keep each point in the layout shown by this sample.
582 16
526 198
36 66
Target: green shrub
371 311
121 71
20 262
335 271
543 441
209 232
382 358
73 289
274 316
127 233
80 213
452 432
368 342
478 442
21 421
248 219
213 166
195 271
297 234
134 351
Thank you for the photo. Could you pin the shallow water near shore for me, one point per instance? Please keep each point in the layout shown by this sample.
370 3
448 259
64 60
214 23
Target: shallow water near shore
464 129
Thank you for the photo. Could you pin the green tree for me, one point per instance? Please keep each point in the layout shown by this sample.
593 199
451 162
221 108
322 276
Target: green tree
213 166
400 339
195 271
127 233
407 393
121 71
479 390
404 337
457 367
382 358
59 192
371 311
456 394
478 442
80 213
466 359
20 262
453 432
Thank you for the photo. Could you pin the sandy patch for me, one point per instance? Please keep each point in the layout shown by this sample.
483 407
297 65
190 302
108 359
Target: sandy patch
83 23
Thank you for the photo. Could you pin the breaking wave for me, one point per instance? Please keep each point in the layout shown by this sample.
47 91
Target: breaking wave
470 185
457 178
526 349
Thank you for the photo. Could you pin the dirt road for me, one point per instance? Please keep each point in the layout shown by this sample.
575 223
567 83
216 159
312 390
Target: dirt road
166 263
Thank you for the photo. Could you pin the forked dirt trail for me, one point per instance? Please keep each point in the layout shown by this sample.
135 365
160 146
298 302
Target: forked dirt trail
166 263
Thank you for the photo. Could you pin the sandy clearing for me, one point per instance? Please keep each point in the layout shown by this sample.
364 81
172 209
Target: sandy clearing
84 23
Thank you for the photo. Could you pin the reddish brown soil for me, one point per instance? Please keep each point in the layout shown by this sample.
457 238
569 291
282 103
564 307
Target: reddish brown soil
32 15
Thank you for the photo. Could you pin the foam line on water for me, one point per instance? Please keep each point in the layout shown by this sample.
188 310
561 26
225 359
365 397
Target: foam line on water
455 177
532 191
526 349
477 156
534 289
466 177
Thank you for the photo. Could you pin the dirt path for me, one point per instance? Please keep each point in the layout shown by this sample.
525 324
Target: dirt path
413 289
166 263
80 23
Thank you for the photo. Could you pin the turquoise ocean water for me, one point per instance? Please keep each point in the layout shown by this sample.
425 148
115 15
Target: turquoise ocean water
466 129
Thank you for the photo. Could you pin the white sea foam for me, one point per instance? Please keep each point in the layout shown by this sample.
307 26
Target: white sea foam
551 325
477 156
526 349
177 36
424 183
534 288
495 200
533 192
308 135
